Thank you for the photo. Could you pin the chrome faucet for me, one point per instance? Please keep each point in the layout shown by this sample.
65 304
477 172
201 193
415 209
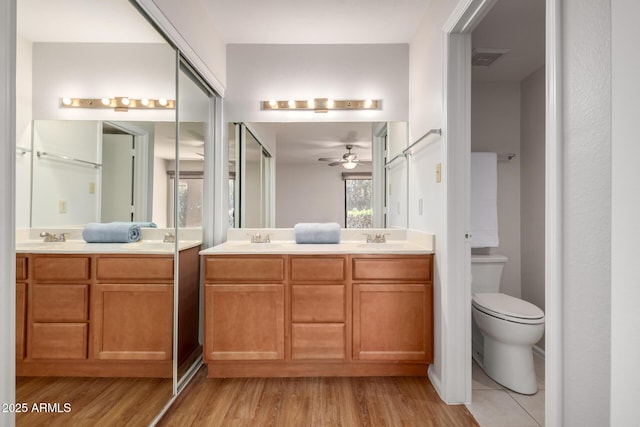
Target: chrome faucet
377 238
258 238
169 238
47 237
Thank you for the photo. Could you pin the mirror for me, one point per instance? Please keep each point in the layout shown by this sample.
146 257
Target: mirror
122 159
309 176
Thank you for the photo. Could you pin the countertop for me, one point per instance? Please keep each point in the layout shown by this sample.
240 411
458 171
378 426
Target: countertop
142 247
342 248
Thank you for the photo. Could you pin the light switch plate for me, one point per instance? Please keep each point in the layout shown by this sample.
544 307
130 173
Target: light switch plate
439 172
62 206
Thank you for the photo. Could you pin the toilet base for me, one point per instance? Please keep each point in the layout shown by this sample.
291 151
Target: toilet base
510 365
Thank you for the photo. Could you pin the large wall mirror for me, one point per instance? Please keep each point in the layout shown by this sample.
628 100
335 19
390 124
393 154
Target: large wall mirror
281 174
76 166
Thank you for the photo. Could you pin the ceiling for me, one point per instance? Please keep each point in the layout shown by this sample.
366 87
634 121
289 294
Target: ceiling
316 22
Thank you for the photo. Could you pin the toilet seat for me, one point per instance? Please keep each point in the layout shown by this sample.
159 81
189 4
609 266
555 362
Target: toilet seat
508 308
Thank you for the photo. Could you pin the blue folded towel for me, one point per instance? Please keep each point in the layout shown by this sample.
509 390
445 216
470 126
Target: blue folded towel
113 232
312 232
142 224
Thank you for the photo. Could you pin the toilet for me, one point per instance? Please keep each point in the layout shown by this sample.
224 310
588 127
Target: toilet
504 328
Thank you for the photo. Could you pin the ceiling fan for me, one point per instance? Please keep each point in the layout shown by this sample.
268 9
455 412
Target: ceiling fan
349 160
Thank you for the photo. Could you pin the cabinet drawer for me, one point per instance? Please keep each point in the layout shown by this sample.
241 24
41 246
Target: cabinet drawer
396 268
136 269
239 268
59 341
61 268
21 268
317 303
60 303
318 268
317 341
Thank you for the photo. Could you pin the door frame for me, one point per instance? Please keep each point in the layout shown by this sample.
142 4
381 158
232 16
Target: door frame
456 363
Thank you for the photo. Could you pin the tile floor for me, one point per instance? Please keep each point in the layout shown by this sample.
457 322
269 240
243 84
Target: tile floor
495 406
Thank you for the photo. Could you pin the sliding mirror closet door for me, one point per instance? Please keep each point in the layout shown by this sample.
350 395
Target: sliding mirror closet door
195 125
96 339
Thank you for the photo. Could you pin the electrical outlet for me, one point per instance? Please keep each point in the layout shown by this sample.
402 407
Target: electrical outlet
62 206
439 172
92 188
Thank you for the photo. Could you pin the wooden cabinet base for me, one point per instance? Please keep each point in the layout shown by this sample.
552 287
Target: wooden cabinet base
314 369
145 369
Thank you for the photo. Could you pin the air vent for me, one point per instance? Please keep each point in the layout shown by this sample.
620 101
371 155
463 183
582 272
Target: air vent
481 57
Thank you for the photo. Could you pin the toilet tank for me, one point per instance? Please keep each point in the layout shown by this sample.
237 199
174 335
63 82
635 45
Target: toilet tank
486 271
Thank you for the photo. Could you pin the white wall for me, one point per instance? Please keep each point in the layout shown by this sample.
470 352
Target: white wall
261 72
425 113
95 70
56 180
532 189
586 232
160 192
23 131
309 193
495 127
625 275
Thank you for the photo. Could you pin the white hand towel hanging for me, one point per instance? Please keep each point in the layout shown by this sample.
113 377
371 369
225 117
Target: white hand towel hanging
484 200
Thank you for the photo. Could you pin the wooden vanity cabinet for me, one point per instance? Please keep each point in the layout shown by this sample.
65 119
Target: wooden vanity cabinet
21 304
318 315
132 306
244 308
104 315
392 308
318 291
59 307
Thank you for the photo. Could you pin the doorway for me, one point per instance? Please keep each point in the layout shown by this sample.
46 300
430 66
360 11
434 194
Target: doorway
457 146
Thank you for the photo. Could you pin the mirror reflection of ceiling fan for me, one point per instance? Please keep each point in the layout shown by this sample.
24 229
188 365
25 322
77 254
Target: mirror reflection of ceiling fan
349 160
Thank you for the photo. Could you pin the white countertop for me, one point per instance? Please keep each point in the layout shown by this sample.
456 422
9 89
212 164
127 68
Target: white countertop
142 247
342 248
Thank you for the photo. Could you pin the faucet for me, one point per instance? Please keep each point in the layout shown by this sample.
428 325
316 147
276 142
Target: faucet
47 237
258 238
169 238
377 238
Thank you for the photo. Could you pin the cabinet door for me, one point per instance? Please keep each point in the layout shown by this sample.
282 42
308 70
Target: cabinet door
244 322
392 322
21 310
132 321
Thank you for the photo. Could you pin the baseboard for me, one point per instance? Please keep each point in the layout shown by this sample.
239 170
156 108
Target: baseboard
435 382
539 351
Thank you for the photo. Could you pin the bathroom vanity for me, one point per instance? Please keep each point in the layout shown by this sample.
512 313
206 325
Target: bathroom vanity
349 309
103 310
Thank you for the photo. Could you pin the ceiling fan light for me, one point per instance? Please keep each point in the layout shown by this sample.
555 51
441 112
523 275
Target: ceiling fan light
349 165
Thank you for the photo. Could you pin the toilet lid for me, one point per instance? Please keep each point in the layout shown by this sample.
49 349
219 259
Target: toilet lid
506 305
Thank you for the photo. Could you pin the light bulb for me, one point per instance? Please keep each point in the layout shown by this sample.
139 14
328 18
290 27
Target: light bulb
162 101
330 103
106 101
125 101
311 103
349 165
292 103
66 101
145 102
368 103
272 103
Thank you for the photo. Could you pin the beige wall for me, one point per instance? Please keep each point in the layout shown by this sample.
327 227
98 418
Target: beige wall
495 127
532 189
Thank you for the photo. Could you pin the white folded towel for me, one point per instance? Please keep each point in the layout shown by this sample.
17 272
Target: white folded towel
484 200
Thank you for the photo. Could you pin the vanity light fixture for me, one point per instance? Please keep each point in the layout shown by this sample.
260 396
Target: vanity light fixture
321 105
118 103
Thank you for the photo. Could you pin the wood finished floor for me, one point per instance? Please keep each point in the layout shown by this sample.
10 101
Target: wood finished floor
127 402
330 402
